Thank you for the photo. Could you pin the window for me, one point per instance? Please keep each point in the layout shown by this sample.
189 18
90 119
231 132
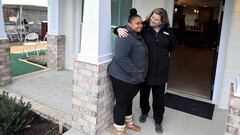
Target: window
119 15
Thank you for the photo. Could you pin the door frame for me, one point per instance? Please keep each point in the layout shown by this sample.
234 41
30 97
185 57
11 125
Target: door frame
222 47
227 12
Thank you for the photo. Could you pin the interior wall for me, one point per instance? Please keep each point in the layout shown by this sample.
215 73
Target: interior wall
205 14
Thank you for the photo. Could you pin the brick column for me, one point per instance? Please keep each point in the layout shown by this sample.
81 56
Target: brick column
5 62
93 98
233 120
56 51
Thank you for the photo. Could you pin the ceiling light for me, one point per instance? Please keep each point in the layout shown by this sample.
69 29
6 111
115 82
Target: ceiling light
175 10
184 5
178 3
205 6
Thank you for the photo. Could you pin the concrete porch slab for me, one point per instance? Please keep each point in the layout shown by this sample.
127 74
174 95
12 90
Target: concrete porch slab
54 89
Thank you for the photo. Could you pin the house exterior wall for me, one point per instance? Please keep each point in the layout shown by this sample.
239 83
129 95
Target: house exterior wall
69 31
232 62
145 7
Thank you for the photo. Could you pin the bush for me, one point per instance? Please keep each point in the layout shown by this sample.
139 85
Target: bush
13 116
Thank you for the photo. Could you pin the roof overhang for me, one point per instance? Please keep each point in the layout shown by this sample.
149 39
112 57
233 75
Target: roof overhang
37 3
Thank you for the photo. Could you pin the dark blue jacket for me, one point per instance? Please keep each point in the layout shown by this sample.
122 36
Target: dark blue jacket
130 62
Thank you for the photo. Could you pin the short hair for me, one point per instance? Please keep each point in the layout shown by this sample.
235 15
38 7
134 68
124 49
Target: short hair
163 13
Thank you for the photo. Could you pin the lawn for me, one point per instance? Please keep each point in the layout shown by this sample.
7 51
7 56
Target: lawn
19 67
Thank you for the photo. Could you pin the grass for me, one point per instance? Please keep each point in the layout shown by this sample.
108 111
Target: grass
19 67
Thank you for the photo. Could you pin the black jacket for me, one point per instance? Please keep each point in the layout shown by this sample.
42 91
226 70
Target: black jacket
159 45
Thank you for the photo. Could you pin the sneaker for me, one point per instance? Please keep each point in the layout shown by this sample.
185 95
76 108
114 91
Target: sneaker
158 128
143 118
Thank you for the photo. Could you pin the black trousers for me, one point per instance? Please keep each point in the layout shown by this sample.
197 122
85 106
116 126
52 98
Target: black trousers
124 93
158 100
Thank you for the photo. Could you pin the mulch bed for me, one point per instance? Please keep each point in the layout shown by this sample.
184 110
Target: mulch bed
41 60
41 126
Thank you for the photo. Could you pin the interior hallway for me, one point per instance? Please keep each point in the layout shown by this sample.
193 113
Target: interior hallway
191 70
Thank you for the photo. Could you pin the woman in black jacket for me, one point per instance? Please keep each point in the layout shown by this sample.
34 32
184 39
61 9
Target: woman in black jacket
160 40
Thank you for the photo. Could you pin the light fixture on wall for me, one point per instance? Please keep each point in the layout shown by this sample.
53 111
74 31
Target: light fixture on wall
175 10
13 19
196 11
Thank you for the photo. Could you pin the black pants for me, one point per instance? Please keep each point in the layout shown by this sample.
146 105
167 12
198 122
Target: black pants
158 101
124 93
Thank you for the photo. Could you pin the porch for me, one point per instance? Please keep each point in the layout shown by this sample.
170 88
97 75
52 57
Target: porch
51 95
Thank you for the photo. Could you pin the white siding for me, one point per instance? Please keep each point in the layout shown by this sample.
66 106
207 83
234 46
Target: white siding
145 7
232 62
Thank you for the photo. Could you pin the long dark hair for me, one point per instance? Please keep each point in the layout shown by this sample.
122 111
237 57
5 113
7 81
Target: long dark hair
133 15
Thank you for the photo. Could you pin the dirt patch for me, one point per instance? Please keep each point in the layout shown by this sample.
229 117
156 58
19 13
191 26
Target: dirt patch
41 126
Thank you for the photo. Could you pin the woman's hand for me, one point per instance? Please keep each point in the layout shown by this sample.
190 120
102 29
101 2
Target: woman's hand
122 32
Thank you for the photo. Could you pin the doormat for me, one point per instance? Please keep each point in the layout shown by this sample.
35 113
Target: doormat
190 106
41 60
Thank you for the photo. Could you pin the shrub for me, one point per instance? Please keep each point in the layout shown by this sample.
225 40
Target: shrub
14 116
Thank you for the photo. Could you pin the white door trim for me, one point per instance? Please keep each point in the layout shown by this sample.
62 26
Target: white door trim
222 51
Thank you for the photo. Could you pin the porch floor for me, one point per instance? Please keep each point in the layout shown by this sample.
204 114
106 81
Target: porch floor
54 89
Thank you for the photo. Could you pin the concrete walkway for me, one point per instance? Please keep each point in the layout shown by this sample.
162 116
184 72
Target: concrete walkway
54 89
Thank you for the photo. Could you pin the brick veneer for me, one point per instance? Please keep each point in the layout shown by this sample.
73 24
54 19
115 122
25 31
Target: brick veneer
56 51
93 98
5 63
233 120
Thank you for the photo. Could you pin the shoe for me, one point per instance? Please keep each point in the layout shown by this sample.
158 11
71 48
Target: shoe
120 130
143 118
117 132
158 128
129 123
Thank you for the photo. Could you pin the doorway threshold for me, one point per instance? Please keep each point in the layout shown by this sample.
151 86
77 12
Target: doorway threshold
194 97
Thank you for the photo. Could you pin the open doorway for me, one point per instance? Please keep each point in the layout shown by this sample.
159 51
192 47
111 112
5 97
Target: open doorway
197 27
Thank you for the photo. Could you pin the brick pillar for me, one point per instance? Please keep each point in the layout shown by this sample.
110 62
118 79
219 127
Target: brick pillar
233 120
5 62
56 51
93 98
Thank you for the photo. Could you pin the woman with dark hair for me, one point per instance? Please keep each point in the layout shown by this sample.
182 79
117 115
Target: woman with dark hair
160 40
127 71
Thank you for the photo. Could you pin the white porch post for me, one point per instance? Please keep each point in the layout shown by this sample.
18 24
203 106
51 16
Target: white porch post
55 17
5 62
93 98
2 28
56 37
96 32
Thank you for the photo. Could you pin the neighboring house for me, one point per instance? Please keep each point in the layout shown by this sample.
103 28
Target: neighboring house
80 32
